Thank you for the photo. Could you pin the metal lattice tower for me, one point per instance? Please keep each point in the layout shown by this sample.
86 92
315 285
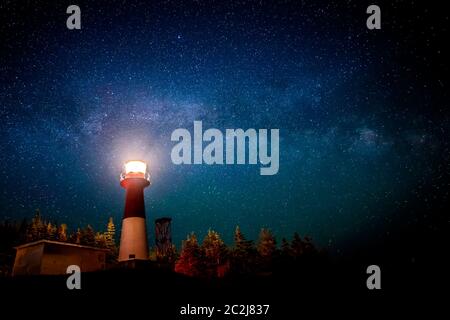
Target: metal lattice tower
163 235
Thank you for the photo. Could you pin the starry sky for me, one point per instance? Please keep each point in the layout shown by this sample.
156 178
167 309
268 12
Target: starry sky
362 114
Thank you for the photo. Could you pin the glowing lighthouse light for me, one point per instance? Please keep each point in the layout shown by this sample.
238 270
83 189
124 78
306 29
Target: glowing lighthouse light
134 169
135 166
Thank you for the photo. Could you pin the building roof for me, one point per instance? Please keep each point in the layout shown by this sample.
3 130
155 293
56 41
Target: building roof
67 244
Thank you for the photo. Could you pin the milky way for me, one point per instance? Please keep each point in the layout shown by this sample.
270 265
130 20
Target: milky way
361 120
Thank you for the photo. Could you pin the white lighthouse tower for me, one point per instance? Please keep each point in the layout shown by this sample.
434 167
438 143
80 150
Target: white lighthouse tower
133 241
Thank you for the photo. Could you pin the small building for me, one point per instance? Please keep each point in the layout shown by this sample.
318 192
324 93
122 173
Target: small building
47 257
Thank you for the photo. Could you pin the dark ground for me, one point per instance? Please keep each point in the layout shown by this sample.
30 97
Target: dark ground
322 289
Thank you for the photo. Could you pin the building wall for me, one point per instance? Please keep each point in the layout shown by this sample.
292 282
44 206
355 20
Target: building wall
53 259
56 259
28 260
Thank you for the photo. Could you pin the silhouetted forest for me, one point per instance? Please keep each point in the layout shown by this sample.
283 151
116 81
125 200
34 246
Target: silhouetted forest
211 258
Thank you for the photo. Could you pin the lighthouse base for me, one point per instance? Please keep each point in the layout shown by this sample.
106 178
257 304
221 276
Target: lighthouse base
137 264
133 241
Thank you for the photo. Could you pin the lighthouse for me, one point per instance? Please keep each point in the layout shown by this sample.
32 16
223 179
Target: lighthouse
133 240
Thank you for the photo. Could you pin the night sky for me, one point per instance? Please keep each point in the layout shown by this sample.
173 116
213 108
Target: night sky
362 114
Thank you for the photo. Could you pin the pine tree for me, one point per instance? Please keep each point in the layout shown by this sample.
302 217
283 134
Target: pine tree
283 262
100 240
285 248
75 237
266 248
266 244
37 227
214 251
62 233
238 237
88 236
51 231
240 242
111 235
309 246
243 253
189 262
172 255
297 246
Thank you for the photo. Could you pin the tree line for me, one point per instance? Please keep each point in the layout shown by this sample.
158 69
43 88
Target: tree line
40 229
213 258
